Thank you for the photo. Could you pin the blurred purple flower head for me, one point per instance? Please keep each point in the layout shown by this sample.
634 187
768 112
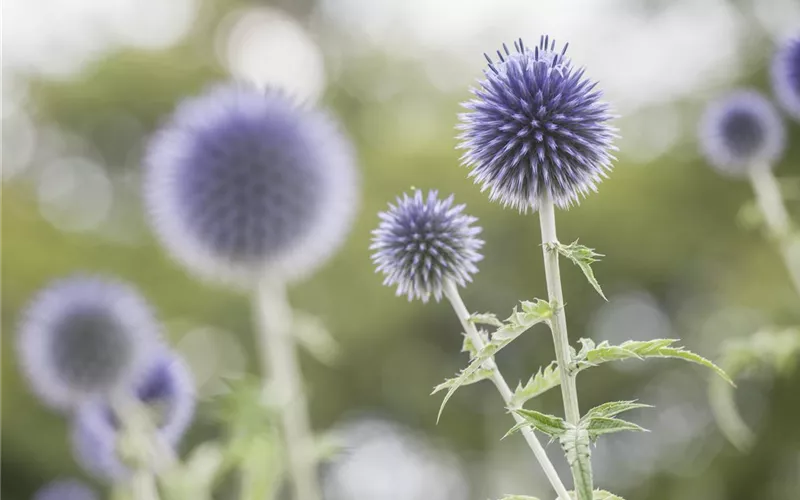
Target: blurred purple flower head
786 76
422 242
167 390
243 181
536 125
85 337
741 131
65 489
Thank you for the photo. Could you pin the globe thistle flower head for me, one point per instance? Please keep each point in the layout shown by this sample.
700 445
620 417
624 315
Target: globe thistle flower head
421 242
243 181
741 131
85 337
167 392
536 126
65 489
786 76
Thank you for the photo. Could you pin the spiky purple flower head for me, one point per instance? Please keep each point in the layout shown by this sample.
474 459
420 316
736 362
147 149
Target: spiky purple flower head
168 391
85 337
65 489
536 126
786 76
243 181
741 131
421 243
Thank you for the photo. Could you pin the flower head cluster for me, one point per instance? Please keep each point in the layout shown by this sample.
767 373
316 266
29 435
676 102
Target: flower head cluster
536 127
85 337
741 131
423 242
786 76
65 489
243 181
168 390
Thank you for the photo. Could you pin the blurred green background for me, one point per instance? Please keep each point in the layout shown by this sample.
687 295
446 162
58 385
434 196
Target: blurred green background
85 82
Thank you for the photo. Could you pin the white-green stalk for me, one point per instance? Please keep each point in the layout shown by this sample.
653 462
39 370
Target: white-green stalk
141 447
770 202
581 469
279 359
451 292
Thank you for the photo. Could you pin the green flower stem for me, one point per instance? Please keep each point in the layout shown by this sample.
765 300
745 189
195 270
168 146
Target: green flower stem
558 325
451 292
770 202
140 446
143 485
279 359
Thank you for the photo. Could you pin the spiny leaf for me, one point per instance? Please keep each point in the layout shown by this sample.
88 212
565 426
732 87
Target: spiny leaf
486 319
636 349
544 380
549 424
601 425
613 408
477 376
599 495
604 495
581 256
531 313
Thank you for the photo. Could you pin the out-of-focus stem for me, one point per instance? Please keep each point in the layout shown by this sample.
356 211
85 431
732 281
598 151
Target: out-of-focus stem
144 448
723 405
770 202
558 325
279 358
451 292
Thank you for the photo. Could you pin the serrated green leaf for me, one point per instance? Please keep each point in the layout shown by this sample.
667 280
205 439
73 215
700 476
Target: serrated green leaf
485 319
477 376
519 322
544 380
583 257
636 349
613 408
604 495
598 426
468 347
551 425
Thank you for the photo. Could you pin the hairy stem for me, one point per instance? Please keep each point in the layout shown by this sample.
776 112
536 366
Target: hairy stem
770 202
558 325
451 292
279 359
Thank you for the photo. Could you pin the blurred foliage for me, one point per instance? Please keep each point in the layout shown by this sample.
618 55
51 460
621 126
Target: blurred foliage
667 227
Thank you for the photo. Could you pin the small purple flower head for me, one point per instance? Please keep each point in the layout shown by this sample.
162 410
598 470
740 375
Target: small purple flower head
786 76
420 243
536 126
167 390
65 489
243 181
85 337
741 131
